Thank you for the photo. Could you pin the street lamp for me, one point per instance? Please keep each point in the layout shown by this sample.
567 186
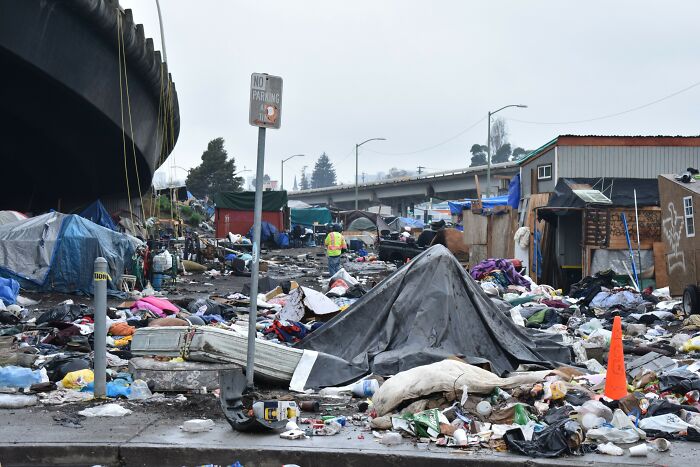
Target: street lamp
282 171
488 145
357 147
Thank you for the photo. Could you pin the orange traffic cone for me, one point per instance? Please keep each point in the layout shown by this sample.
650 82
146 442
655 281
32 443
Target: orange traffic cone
616 379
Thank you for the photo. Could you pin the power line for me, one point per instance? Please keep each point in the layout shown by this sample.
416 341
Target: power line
616 114
452 138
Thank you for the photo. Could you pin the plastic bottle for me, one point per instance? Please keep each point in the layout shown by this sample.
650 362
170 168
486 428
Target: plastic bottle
365 388
484 408
339 420
139 390
521 417
18 377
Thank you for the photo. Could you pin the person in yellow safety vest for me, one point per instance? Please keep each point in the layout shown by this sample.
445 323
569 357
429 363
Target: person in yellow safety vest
335 244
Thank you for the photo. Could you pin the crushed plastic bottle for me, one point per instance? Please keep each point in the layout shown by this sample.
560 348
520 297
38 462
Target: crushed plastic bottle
139 390
521 416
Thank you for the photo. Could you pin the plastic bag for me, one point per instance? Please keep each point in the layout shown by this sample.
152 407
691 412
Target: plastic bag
16 401
691 344
611 449
621 431
563 437
78 379
668 423
106 410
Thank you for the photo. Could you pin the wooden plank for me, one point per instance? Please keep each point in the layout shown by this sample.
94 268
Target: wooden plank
660 266
478 187
475 228
500 236
477 253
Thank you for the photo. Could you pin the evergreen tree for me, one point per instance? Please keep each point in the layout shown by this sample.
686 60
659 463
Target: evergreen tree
304 183
323 174
502 154
215 174
478 155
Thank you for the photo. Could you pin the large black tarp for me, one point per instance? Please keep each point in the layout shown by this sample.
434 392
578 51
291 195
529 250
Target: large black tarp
619 190
428 310
245 200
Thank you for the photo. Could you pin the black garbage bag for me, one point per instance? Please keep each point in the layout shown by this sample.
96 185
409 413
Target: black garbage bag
679 380
556 414
210 307
58 368
663 407
563 437
63 312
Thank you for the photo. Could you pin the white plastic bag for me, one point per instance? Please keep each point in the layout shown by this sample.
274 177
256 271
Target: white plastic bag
197 425
16 401
106 410
668 423
622 430
611 449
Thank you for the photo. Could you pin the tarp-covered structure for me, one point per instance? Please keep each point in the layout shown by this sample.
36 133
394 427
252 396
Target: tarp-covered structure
619 190
370 221
456 207
399 223
10 216
245 200
428 310
56 252
310 216
97 213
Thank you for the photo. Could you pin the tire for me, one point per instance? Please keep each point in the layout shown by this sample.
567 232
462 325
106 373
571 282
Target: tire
691 300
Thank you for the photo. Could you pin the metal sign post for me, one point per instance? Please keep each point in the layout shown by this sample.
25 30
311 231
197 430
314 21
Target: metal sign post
100 277
265 112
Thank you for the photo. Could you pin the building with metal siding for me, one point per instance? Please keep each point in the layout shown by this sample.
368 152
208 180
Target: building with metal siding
607 156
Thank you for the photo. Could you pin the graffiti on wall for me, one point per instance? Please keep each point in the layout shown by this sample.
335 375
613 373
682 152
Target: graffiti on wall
673 229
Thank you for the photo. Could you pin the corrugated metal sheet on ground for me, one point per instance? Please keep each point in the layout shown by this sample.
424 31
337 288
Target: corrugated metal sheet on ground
207 344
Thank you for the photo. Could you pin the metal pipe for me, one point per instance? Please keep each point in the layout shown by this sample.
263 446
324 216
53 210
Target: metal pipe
162 32
255 262
488 146
357 147
100 277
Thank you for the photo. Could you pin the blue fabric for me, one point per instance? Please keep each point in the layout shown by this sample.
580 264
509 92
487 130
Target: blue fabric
514 192
9 288
70 255
97 213
538 253
267 232
456 207
282 240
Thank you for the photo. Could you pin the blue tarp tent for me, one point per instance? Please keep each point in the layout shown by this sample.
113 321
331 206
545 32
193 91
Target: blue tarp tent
456 207
514 192
400 222
97 213
57 252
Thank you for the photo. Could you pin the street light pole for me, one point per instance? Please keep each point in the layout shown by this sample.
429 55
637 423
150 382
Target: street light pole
488 146
357 148
282 171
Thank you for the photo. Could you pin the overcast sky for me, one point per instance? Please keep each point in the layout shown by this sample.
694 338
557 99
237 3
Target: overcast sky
420 72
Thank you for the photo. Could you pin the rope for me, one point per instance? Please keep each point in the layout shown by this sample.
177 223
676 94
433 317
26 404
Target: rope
121 102
131 127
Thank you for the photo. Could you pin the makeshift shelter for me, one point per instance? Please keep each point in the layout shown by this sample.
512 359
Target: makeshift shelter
97 213
11 216
370 221
57 252
677 260
428 310
585 233
310 216
234 211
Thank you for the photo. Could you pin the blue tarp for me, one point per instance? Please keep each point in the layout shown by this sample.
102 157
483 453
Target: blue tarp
514 192
97 213
9 288
268 232
456 207
400 222
57 252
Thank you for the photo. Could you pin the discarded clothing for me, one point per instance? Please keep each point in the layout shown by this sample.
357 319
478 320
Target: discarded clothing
506 267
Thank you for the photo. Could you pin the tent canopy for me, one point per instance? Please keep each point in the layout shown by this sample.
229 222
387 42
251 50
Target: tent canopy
349 216
245 200
310 216
10 216
56 252
97 213
428 310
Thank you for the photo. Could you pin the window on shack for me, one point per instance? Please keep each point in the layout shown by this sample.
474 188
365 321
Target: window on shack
544 172
689 215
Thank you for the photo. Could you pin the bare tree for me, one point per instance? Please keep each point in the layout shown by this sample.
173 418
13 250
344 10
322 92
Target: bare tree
499 134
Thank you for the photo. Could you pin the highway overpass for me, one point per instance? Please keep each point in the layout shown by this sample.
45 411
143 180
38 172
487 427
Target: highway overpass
404 192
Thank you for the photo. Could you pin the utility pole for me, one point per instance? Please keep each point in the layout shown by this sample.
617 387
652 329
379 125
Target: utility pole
488 147
363 177
420 169
357 148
